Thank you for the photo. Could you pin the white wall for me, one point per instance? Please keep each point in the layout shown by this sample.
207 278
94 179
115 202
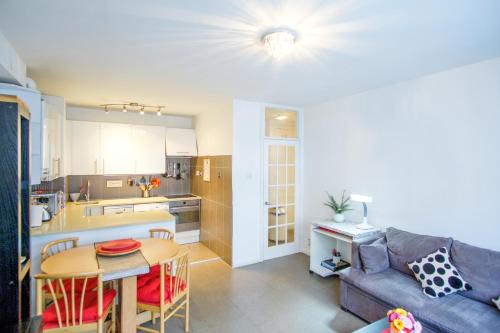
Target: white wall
427 150
95 114
214 131
247 183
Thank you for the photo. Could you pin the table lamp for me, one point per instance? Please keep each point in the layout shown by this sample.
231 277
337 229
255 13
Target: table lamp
364 200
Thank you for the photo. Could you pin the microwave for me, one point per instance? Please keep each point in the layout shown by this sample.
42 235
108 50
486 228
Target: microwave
49 200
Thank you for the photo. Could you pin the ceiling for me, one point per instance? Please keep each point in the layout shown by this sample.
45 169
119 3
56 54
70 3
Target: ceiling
197 55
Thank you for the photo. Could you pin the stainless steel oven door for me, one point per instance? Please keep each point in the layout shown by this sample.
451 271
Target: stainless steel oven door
187 218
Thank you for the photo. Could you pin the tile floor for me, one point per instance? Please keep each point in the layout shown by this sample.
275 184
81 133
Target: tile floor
274 296
199 253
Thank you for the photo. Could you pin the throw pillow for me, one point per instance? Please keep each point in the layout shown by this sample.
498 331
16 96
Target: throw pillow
497 302
437 275
374 256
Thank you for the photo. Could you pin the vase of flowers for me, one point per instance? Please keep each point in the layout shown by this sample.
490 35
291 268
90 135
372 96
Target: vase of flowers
402 321
338 207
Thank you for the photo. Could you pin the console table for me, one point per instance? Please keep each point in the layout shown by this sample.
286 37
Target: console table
326 235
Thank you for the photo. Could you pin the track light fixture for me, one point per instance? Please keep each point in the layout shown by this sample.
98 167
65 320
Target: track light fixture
142 109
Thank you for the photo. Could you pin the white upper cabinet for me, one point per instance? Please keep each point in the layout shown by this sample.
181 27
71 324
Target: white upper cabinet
33 100
181 142
54 114
12 67
85 147
149 150
117 149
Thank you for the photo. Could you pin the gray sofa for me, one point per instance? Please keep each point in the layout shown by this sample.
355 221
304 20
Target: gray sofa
371 295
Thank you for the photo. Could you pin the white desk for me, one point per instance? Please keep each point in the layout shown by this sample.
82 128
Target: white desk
326 235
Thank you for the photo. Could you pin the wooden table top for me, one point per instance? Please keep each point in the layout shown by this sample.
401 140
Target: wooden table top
84 259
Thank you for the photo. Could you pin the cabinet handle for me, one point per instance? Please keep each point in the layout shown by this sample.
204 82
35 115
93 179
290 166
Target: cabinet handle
95 166
59 167
103 167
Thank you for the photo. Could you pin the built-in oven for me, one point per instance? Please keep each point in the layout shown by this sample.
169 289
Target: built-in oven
187 214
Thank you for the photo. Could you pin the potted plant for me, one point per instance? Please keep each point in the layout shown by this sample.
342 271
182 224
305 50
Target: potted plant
339 207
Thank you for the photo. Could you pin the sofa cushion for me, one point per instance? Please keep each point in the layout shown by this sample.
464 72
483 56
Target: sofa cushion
437 275
453 313
480 267
403 247
374 256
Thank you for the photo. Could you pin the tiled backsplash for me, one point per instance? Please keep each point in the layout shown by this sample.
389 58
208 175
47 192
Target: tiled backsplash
217 204
55 185
99 190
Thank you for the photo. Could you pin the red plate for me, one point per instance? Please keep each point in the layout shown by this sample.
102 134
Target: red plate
119 245
102 252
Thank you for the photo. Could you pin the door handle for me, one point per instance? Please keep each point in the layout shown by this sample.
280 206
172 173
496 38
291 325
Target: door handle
267 203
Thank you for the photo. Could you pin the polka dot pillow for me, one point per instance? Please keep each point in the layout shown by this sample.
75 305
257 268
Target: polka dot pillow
437 275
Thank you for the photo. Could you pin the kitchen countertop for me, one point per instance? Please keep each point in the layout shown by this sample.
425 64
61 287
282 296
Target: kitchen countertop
72 218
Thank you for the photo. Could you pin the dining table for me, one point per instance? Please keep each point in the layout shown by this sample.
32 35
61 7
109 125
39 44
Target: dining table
124 268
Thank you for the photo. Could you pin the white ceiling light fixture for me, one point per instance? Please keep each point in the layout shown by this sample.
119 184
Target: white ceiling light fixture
279 43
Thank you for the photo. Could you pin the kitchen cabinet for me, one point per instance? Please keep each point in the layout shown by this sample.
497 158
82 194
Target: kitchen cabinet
112 210
114 149
181 142
54 114
12 67
117 149
33 100
149 150
151 207
85 147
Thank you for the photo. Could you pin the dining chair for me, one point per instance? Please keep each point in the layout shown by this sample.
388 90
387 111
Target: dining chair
72 310
161 233
166 294
58 246
55 247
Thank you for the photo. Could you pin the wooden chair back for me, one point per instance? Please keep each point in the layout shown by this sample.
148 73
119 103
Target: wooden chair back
161 233
58 246
176 272
69 305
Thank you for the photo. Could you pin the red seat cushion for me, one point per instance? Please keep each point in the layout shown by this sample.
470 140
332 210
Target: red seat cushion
89 313
148 291
91 284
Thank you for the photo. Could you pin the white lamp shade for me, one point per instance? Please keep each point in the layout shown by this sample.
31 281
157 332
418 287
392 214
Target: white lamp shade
361 198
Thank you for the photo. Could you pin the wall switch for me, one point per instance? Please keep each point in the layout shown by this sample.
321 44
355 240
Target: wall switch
114 183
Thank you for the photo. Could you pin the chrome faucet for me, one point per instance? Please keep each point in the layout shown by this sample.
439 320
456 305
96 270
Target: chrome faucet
86 195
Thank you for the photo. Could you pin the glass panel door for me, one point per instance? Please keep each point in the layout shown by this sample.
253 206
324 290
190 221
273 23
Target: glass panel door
280 197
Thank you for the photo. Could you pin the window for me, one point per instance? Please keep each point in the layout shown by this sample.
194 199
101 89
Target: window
281 123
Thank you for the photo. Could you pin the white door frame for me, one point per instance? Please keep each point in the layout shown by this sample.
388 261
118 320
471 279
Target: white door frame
299 225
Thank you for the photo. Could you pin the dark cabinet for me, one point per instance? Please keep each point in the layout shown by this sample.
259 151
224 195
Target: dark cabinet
14 211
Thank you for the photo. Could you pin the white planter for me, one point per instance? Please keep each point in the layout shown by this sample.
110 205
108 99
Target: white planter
339 218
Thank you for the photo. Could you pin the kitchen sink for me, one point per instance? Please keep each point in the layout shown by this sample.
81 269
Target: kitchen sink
87 202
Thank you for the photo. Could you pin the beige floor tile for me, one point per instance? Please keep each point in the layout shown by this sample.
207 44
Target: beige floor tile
278 296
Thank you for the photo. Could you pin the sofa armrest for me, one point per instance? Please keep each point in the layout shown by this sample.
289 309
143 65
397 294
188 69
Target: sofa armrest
355 258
